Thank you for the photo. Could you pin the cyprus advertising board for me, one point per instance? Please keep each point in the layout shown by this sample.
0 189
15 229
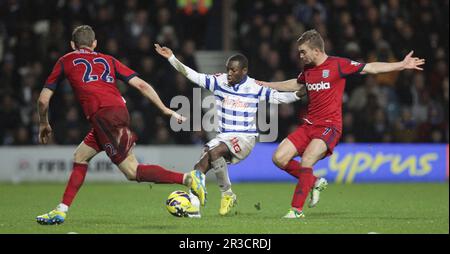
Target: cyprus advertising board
352 163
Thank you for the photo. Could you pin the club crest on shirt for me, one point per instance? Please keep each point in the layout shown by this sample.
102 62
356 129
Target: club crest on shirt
325 73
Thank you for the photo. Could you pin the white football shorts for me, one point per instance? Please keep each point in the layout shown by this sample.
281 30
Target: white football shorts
239 145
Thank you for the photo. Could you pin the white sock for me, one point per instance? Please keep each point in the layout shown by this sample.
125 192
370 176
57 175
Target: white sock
194 200
221 171
62 208
227 192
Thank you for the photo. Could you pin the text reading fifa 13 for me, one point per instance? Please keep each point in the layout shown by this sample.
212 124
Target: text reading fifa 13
227 243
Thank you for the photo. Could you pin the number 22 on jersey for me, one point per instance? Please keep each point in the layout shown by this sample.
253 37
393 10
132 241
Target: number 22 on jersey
88 77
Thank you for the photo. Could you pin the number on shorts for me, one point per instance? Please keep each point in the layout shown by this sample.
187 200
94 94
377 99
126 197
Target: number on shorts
235 145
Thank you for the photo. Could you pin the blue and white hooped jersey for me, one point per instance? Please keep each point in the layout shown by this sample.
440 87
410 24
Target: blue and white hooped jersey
237 105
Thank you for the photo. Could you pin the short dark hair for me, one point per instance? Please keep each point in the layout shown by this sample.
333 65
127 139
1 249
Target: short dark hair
313 39
83 36
243 62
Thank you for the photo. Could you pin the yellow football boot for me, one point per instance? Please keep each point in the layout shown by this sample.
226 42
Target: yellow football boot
198 187
227 203
51 218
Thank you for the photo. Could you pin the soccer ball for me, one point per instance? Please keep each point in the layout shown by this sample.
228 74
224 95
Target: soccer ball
179 204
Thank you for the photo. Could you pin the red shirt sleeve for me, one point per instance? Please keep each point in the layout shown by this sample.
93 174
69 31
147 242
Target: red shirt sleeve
122 71
56 75
347 67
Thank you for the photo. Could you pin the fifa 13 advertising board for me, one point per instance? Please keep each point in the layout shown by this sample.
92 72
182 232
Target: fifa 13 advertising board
356 163
54 163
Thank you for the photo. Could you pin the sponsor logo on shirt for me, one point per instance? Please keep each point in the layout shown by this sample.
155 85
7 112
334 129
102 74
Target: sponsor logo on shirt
234 103
318 86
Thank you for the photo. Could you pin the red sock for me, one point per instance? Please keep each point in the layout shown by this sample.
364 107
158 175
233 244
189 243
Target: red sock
304 185
157 174
293 168
75 181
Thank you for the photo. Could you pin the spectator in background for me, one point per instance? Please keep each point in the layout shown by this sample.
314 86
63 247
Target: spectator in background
112 47
354 29
193 15
305 12
349 126
421 97
71 124
137 27
139 127
383 53
445 104
187 53
382 28
142 49
162 135
259 61
9 75
405 127
33 127
379 126
21 137
10 115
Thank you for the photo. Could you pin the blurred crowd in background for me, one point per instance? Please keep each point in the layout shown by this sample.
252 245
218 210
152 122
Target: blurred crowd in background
407 106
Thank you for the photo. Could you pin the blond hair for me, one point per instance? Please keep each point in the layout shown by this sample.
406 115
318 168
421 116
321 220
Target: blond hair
83 36
313 39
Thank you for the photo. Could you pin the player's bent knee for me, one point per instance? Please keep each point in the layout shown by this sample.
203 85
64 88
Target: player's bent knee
308 161
80 158
83 154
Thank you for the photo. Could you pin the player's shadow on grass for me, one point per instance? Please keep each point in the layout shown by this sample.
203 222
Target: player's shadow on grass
242 214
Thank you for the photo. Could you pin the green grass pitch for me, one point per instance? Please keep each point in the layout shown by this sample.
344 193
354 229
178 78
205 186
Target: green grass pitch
139 208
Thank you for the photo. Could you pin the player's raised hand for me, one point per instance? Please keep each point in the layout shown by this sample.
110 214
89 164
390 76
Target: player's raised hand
45 131
164 51
411 62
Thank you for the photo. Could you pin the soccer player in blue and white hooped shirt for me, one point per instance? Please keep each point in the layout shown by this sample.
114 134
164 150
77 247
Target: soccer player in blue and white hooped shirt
237 97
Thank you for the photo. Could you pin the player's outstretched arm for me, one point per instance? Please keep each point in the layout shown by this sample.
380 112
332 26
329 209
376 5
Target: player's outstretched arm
284 97
283 86
45 130
289 97
147 90
198 78
408 63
